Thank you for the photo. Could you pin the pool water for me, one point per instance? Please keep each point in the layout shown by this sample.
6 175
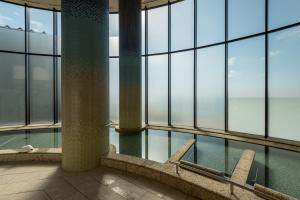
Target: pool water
274 168
38 138
156 145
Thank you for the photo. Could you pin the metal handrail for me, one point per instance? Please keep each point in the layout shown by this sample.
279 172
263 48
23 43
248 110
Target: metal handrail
229 181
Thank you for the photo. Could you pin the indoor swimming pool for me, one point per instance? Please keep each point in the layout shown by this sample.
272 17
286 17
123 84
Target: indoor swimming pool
275 168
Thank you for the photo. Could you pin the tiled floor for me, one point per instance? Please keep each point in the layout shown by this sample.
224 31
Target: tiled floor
46 181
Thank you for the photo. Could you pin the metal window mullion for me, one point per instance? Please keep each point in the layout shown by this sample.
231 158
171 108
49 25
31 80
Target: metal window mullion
195 64
169 64
146 144
226 65
27 72
146 68
55 86
195 149
266 70
169 144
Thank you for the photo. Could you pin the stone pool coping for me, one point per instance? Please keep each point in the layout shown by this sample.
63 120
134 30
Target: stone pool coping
41 154
243 137
186 181
181 151
243 167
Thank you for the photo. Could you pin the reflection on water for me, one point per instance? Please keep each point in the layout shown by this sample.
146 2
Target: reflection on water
131 144
156 145
38 138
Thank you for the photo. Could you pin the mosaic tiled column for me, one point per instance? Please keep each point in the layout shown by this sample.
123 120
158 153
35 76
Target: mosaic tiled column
130 66
85 76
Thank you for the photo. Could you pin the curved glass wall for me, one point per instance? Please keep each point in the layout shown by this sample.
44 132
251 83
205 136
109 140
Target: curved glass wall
218 64
30 65
215 66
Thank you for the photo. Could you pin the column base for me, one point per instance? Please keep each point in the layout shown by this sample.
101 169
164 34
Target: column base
130 130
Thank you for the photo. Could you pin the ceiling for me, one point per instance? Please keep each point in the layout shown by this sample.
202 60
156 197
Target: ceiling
113 4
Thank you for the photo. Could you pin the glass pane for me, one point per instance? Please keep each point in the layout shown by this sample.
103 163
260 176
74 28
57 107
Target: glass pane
143 32
59 88
114 139
182 25
211 87
59 33
41 31
114 35
12 89
41 89
158 30
282 13
179 139
284 84
158 89
247 85
158 145
182 85
210 21
12 27
114 89
245 17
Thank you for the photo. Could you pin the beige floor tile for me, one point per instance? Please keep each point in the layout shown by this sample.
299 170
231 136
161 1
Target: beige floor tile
38 195
43 181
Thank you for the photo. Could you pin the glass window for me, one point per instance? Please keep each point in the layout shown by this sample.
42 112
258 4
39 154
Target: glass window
114 35
158 89
282 13
284 84
246 85
182 25
210 21
12 89
179 139
182 88
59 88
245 17
41 89
12 27
210 87
114 139
41 31
59 33
158 145
114 89
158 30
